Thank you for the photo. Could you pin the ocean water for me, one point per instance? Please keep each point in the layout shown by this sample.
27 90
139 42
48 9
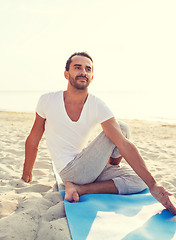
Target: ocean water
124 104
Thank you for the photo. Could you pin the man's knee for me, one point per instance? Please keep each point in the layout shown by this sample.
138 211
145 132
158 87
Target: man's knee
125 129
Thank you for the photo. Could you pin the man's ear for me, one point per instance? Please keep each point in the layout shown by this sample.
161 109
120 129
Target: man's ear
66 75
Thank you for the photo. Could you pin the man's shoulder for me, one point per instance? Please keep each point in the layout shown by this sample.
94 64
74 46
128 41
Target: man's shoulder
47 101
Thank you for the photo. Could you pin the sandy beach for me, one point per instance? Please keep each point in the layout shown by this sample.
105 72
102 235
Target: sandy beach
35 210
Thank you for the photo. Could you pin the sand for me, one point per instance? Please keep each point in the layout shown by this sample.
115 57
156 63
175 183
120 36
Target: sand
35 210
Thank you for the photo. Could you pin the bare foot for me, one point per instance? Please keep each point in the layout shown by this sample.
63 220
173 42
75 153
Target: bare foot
71 192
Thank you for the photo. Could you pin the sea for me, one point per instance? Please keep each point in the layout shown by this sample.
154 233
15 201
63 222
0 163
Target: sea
124 104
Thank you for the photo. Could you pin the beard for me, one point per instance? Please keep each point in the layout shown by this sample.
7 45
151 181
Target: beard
78 84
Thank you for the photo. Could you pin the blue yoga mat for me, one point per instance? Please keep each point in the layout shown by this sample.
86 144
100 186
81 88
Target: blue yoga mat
113 217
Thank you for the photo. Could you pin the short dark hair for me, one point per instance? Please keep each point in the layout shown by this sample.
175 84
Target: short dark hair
84 54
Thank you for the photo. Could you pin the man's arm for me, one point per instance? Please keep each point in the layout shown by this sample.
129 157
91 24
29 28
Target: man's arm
128 150
31 147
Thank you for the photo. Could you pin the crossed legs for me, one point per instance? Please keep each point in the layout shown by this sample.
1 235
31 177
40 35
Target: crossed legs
73 191
92 172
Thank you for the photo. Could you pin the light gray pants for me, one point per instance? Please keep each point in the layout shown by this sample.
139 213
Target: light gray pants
91 165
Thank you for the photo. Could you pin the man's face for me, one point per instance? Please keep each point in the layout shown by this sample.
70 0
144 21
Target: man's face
80 73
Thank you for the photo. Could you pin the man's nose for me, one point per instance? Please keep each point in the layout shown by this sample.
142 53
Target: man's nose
84 72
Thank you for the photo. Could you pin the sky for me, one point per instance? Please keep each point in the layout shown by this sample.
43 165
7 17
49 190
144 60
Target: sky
132 43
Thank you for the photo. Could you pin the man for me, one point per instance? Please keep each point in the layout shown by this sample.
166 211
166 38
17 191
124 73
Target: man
67 118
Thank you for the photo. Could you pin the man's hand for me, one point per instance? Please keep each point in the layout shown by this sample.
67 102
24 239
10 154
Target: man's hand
27 177
160 194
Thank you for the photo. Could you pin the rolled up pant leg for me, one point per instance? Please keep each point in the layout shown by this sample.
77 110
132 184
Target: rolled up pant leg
124 178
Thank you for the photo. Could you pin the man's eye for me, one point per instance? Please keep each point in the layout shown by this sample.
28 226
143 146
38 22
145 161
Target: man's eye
77 67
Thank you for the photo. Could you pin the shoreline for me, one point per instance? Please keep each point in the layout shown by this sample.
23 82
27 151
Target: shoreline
124 104
153 119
